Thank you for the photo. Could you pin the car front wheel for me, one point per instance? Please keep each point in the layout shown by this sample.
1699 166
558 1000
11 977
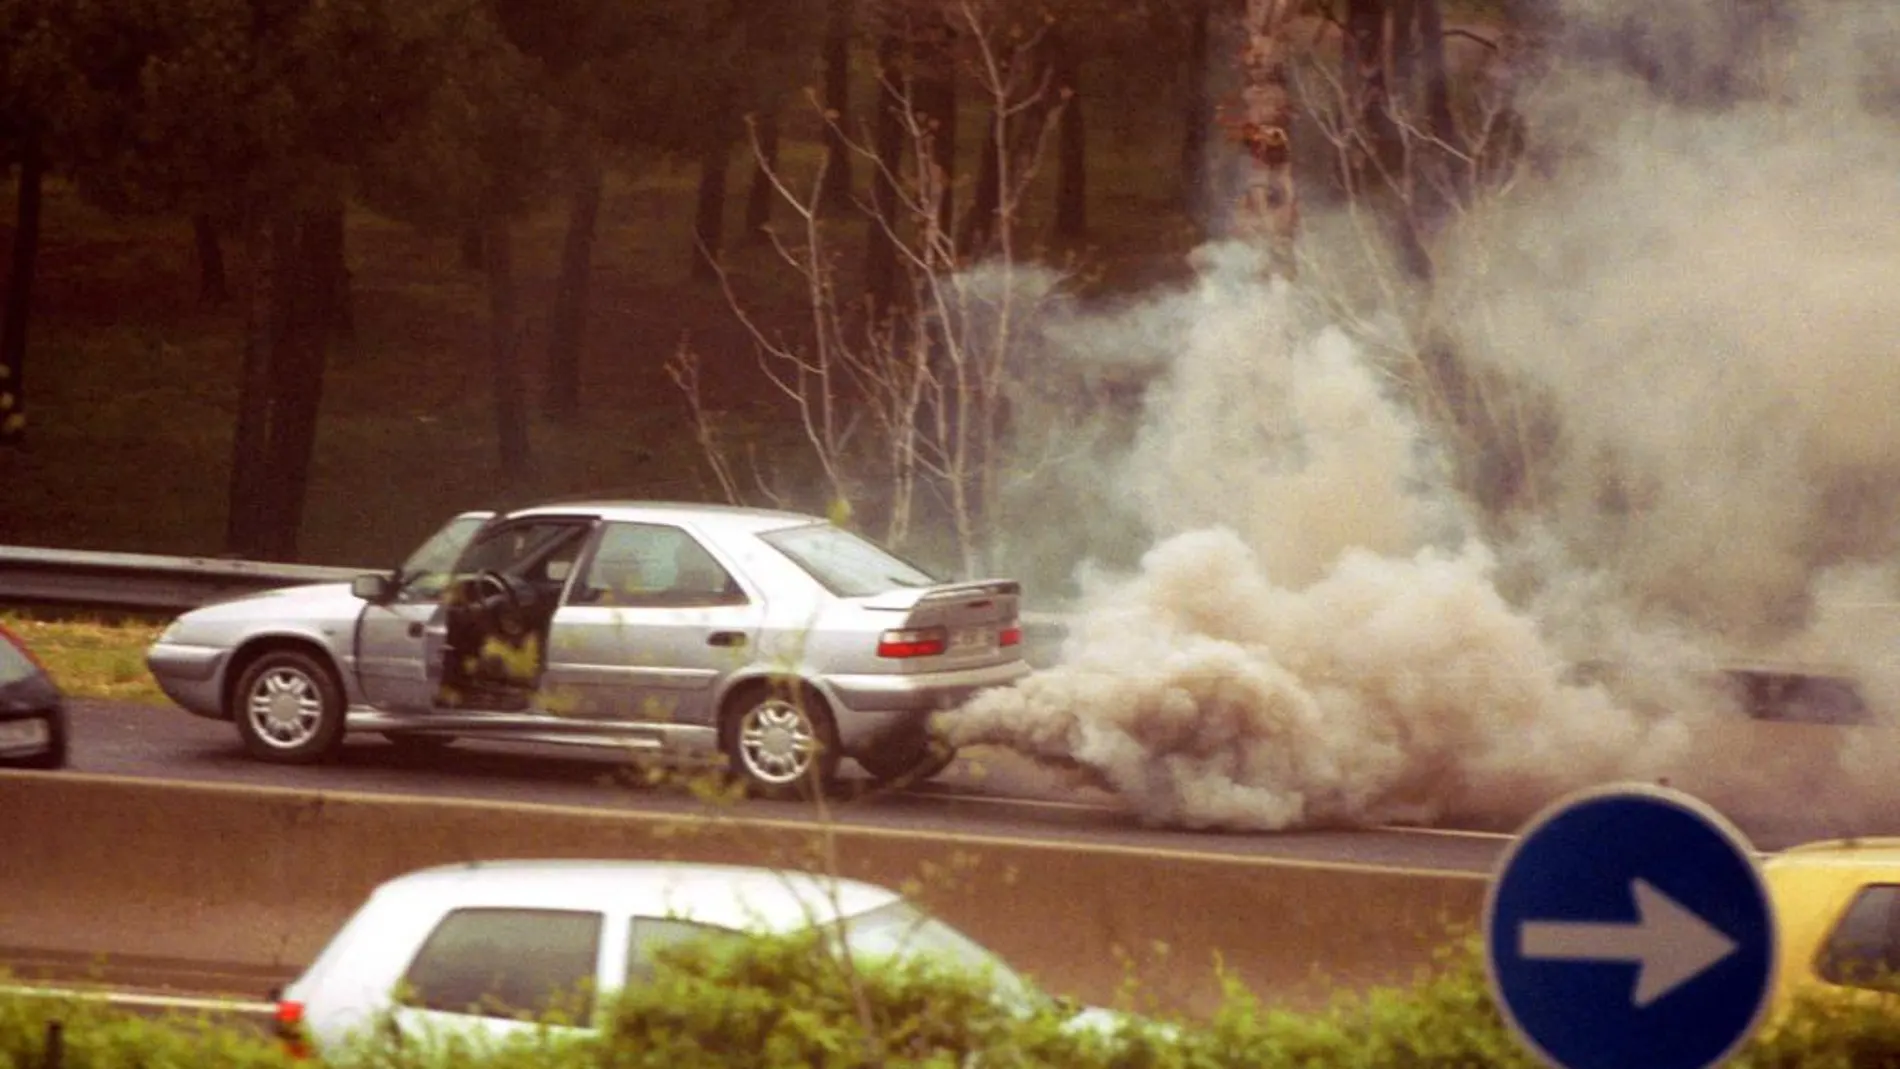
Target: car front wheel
781 742
289 708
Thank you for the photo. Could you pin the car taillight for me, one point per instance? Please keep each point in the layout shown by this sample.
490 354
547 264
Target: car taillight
289 1022
924 642
1010 636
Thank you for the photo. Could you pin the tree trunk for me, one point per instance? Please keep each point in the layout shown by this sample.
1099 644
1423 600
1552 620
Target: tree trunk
1368 110
1436 83
326 236
887 136
19 299
307 311
709 214
471 250
511 409
247 519
1072 189
980 225
1198 108
1268 212
839 17
758 201
935 101
214 288
567 328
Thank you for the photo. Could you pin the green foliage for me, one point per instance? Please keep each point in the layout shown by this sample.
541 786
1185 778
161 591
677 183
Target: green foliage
95 1037
792 1003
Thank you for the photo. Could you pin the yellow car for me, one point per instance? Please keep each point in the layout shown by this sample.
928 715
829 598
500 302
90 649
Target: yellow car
1837 907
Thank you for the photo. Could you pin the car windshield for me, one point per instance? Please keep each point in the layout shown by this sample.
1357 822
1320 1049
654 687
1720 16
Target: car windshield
901 930
427 569
844 563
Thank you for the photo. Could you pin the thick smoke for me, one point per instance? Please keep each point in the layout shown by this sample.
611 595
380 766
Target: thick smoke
1694 295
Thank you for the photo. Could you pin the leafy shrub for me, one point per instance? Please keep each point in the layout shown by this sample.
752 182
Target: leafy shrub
792 1003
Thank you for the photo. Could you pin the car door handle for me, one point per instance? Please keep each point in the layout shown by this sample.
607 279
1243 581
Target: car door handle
726 638
415 629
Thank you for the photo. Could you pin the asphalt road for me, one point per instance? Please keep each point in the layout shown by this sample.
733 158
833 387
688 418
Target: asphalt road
993 795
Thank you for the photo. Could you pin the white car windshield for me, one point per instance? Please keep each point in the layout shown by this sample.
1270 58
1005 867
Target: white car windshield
900 930
844 563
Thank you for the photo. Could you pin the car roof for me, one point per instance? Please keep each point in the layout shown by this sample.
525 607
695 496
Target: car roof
730 517
730 896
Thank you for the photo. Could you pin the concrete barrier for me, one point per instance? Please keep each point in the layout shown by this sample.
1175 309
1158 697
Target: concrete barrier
241 881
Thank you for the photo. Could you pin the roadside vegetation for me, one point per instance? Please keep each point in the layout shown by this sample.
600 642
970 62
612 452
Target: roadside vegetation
92 657
777 1004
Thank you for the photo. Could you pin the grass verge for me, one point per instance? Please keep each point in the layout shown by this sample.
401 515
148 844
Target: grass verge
92 657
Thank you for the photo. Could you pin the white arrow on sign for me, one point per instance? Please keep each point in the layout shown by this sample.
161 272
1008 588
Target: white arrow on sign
1669 945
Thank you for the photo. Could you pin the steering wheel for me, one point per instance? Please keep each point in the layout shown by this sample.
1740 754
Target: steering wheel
504 602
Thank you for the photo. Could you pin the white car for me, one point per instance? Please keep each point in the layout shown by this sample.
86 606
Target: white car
488 949
775 638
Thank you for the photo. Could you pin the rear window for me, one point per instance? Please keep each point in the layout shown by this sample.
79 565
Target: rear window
14 665
846 564
507 963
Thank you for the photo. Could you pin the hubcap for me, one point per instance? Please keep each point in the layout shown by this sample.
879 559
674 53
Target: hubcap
777 742
285 708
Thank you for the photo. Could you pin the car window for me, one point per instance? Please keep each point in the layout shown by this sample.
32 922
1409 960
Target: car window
426 573
507 963
648 937
844 563
1863 950
540 552
14 665
647 564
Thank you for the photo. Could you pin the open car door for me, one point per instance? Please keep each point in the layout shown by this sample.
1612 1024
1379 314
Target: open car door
392 667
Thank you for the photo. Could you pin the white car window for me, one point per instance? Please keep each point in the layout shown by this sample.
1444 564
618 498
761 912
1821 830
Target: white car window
507 963
649 936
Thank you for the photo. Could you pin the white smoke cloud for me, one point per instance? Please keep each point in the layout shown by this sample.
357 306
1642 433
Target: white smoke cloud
1700 300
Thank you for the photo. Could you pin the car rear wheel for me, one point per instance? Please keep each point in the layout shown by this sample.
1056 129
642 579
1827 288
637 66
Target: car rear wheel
289 708
781 742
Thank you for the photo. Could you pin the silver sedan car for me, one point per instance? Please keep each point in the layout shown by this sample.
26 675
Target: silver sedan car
779 640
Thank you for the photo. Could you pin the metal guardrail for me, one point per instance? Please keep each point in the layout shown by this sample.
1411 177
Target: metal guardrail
35 576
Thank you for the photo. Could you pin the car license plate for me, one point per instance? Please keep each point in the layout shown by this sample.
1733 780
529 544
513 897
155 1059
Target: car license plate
22 734
970 640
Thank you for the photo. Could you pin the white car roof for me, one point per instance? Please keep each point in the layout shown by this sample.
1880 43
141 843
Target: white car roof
729 896
724 517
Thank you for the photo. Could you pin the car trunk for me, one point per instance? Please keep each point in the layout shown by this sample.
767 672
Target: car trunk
978 621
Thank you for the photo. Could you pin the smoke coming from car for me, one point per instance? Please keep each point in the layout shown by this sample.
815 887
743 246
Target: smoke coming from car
1682 320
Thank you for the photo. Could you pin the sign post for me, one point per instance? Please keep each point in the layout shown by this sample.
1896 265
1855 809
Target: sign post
1629 926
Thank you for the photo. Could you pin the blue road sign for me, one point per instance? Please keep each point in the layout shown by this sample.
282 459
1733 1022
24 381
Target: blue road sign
1629 926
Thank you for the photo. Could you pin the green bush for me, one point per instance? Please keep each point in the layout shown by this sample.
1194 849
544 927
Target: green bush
792 1004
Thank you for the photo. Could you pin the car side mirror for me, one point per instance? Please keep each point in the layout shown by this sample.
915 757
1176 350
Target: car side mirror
375 588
